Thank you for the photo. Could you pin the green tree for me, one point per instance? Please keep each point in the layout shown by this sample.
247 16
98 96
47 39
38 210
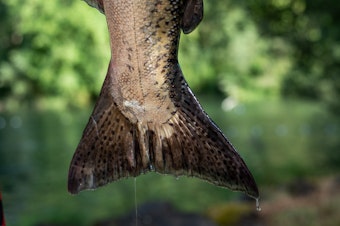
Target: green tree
52 53
312 30
56 53
228 54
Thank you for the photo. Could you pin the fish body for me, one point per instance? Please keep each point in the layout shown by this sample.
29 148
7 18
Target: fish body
146 117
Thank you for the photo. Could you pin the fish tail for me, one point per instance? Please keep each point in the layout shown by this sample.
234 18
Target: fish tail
108 149
188 143
196 146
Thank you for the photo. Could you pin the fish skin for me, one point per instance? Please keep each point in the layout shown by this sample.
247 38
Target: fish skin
146 117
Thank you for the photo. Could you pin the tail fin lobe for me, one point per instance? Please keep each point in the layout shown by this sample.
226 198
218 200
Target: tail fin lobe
197 147
108 150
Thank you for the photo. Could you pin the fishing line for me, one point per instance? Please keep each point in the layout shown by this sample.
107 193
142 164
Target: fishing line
136 211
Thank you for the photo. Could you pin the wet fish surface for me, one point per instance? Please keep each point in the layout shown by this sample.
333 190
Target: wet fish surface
146 117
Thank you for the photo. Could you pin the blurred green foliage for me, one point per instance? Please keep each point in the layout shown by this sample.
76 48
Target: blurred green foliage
37 146
311 30
52 53
55 54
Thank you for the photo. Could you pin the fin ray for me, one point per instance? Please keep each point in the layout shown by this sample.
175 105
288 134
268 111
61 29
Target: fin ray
198 147
109 148
189 143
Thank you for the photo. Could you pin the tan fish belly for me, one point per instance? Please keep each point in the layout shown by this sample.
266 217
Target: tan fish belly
144 40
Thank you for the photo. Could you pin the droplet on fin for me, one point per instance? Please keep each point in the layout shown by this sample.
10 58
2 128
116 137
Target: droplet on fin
258 208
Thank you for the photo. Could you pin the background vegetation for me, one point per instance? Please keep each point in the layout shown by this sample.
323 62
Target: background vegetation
247 50
266 71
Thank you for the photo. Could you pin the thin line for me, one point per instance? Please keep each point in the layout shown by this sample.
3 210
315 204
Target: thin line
136 201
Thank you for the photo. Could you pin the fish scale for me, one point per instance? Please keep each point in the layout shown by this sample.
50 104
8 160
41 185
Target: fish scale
146 117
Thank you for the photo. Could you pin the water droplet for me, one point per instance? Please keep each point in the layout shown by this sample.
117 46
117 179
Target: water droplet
258 208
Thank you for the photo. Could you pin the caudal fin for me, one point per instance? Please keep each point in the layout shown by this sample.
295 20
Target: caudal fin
197 147
189 143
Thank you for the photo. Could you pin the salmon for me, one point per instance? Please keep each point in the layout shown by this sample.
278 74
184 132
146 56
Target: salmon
146 117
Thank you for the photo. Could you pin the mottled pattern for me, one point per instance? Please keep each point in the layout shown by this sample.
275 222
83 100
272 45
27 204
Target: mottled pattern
146 117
